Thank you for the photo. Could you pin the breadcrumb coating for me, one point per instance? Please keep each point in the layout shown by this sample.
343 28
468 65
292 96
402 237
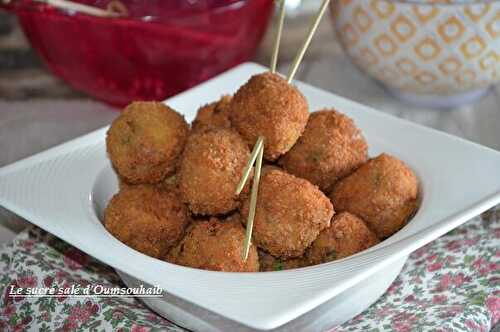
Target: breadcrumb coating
346 236
268 106
210 169
213 115
147 219
270 263
215 245
383 192
330 148
290 213
145 141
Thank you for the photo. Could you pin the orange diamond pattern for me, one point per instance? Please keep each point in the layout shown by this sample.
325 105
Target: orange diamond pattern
450 65
349 34
466 77
429 48
406 66
425 77
493 27
383 9
473 47
385 45
489 61
362 19
425 13
403 28
476 11
451 29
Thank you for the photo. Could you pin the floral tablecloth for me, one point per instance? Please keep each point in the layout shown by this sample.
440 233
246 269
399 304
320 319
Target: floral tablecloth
452 284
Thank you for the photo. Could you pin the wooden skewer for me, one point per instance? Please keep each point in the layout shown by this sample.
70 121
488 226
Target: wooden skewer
258 150
276 48
302 51
117 7
248 167
86 9
253 203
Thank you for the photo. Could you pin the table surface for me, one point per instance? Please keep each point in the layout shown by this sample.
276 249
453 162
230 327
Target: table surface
38 111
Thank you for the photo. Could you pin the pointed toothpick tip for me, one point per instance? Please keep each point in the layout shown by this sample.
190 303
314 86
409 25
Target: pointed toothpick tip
277 41
307 41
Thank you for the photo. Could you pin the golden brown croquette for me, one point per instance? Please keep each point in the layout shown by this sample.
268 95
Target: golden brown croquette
215 245
145 141
330 148
290 214
210 169
346 236
147 219
383 192
270 263
214 115
268 106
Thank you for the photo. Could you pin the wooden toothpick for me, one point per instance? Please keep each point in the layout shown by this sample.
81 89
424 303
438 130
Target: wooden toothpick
86 9
302 51
248 167
258 149
253 203
276 48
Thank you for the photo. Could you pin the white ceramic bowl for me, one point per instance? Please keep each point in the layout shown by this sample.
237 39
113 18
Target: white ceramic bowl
434 53
333 312
336 311
64 189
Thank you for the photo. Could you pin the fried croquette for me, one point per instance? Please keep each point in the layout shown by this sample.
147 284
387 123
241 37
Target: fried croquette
270 263
169 184
290 213
346 236
210 169
383 192
145 141
215 245
330 148
147 219
214 115
268 106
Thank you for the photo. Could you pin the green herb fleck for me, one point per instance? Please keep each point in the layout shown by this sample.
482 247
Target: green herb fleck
278 266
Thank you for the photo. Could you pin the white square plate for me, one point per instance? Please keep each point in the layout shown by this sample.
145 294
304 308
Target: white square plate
54 189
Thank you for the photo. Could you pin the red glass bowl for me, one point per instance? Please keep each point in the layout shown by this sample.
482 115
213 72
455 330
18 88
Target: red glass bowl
161 48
